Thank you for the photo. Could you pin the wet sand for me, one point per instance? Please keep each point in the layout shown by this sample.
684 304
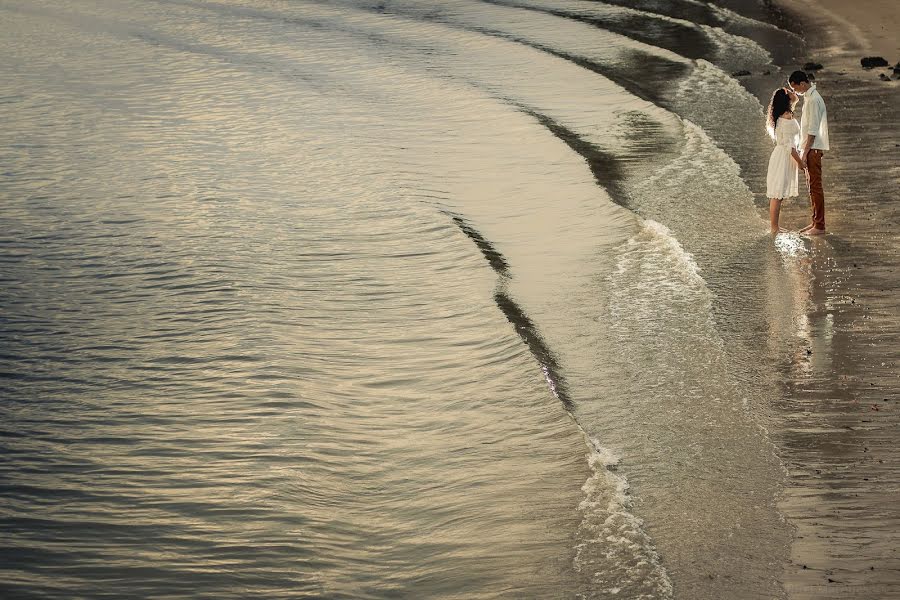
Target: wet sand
872 27
836 424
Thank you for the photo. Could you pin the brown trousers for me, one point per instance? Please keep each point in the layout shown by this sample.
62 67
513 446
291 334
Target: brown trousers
816 192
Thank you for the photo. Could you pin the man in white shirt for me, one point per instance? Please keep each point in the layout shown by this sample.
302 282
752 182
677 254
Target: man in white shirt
814 141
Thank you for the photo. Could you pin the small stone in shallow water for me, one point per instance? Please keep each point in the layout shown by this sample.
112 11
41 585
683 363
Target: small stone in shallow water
884 77
870 62
812 66
741 73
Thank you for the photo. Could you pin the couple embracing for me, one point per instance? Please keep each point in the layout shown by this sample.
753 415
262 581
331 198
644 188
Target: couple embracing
797 146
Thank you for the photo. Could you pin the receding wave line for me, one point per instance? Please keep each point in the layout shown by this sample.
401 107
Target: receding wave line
643 73
653 29
696 12
645 77
514 313
493 256
539 348
609 175
606 168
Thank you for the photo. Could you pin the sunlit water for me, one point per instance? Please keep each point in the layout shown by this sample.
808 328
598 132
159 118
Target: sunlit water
371 300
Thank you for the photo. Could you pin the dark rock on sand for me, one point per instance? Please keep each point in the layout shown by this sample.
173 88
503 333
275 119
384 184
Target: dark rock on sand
741 73
812 66
870 62
883 77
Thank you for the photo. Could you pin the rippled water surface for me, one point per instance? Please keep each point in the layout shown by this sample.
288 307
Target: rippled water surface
374 300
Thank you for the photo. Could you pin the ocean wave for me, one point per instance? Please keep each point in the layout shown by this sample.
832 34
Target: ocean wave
614 553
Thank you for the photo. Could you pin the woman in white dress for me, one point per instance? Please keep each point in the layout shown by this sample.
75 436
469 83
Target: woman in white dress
785 162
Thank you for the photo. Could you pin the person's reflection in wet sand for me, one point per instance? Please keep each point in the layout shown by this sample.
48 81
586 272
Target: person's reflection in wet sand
826 441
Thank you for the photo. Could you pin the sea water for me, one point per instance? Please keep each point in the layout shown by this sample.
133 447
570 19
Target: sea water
350 299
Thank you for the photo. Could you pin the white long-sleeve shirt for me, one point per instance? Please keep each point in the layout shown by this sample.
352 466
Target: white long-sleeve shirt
814 120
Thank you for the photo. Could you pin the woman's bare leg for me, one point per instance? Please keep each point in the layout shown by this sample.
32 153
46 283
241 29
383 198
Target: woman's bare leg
774 214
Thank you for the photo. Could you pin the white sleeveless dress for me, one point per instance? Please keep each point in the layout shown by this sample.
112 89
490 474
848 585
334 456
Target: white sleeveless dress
781 180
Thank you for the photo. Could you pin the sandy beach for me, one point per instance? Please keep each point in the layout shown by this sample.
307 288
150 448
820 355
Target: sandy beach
837 422
869 27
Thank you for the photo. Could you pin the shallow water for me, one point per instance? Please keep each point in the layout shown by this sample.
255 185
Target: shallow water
337 299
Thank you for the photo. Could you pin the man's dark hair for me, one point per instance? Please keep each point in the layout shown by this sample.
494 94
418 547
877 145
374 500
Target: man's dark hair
798 77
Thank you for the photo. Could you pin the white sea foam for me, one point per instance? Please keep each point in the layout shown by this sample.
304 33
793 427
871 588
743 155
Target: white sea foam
708 94
654 261
615 553
732 51
729 16
707 87
735 52
697 191
684 260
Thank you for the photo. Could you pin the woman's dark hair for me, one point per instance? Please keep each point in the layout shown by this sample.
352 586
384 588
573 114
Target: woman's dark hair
780 104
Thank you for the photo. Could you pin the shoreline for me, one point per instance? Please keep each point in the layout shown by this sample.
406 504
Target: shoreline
836 421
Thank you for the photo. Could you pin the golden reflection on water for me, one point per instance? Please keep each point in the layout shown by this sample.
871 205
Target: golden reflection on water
797 307
786 290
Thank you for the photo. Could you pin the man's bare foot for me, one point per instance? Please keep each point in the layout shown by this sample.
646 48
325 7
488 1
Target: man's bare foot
807 228
814 231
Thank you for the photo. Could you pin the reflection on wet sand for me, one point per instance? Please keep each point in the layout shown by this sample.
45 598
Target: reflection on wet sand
836 441
787 286
836 420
